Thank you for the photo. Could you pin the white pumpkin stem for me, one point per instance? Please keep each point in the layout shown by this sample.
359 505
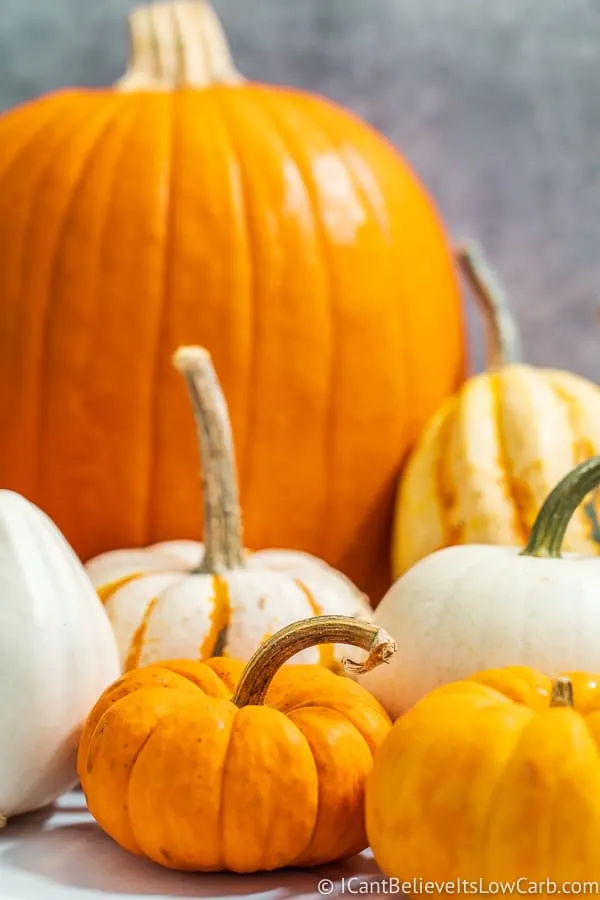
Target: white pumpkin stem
3 821
274 653
562 692
502 333
177 44
223 546
548 530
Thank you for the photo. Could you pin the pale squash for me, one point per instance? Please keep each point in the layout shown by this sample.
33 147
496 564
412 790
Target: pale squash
186 599
467 608
492 453
57 653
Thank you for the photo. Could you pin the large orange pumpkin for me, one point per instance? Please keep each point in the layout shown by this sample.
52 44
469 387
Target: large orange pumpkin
271 226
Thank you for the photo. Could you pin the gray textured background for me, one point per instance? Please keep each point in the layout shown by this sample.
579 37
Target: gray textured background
496 105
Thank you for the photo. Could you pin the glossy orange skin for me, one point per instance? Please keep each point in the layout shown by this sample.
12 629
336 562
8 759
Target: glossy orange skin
271 227
174 771
482 780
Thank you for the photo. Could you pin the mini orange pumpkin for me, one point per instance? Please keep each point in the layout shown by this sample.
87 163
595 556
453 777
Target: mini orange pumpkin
175 770
494 778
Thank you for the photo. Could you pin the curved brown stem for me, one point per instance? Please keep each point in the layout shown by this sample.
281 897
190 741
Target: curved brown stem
548 531
223 546
502 333
260 670
177 44
562 692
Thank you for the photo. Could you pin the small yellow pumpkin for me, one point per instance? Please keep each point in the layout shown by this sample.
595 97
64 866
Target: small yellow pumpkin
492 453
177 769
187 599
492 779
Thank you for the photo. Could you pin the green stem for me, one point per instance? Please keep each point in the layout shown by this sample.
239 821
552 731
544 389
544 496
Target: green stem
548 531
502 332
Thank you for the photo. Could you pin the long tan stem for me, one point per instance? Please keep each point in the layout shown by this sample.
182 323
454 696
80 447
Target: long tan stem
177 44
562 692
548 530
274 653
222 515
501 330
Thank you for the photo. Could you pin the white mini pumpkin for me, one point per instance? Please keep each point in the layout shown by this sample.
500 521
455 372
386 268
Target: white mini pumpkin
468 608
57 655
192 600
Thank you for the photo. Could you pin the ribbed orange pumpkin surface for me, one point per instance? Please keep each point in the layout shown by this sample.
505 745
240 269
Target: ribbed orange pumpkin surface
189 206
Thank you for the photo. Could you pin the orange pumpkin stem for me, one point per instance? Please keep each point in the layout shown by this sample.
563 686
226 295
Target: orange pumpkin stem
177 44
223 545
562 692
502 333
286 643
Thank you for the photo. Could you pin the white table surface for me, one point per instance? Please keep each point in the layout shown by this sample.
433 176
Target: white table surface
60 854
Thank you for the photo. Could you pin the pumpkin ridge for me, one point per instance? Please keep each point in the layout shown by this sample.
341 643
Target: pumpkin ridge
221 824
132 111
134 760
107 122
493 795
514 491
322 112
452 532
317 789
498 789
341 835
582 450
245 228
35 131
168 214
283 128
49 124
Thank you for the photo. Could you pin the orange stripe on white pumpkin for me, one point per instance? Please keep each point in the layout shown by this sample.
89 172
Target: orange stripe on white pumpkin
132 660
538 439
118 565
482 509
107 590
127 606
219 619
326 651
185 599
184 617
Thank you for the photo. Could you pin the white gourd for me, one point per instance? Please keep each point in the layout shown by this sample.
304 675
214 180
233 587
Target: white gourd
57 655
194 600
468 608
